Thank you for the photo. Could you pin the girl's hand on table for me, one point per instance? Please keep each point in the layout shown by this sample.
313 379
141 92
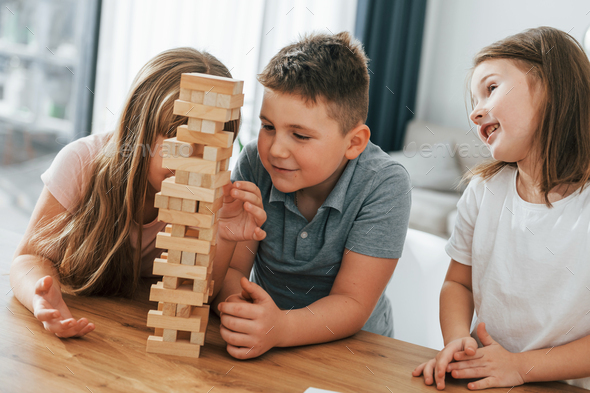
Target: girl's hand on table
437 367
497 366
50 308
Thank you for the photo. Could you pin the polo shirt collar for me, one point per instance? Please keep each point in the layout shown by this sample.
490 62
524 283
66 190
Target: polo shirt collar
336 198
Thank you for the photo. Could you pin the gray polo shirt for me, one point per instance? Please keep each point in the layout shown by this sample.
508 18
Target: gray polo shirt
367 212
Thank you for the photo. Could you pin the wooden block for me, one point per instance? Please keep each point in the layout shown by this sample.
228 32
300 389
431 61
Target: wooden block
193 124
172 189
185 94
191 323
172 147
184 294
224 164
209 181
188 258
213 153
204 112
179 270
229 101
211 288
202 285
168 309
211 127
164 255
201 220
210 98
174 203
173 256
181 177
183 310
183 348
209 234
219 139
171 282
198 337
206 260
211 208
178 230
189 205
190 232
197 96
161 201
169 335
204 82
235 114
191 164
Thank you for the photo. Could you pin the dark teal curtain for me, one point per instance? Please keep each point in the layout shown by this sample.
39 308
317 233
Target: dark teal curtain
391 31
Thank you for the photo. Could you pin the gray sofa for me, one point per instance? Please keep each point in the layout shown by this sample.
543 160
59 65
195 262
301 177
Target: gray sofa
436 158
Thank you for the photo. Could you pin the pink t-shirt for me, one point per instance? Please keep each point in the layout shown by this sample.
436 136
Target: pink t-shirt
70 171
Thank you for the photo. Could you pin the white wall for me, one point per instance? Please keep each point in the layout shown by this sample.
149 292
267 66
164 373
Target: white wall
456 30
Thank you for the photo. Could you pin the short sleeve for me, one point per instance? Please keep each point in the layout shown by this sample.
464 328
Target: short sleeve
247 165
381 225
63 178
460 243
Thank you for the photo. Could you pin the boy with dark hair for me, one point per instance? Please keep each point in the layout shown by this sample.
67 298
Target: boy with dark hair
327 210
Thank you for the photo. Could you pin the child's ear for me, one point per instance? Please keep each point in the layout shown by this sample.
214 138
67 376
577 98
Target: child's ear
357 139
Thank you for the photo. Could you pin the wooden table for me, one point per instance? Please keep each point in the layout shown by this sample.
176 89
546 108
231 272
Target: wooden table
113 357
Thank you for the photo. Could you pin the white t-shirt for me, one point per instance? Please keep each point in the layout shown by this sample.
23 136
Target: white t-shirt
530 264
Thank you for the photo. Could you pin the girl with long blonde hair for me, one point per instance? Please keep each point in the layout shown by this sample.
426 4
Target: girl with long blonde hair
94 226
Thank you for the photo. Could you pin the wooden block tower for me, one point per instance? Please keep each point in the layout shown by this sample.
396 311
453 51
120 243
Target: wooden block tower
188 202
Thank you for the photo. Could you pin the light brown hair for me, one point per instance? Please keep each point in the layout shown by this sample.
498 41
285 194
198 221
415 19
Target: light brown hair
562 141
91 249
325 67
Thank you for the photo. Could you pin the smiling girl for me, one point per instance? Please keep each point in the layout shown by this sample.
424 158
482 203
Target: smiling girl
520 245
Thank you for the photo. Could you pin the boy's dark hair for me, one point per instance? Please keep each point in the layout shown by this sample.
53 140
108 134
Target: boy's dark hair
325 67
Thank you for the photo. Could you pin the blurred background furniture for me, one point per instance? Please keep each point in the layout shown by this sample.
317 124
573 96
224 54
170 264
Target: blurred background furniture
415 287
48 54
436 158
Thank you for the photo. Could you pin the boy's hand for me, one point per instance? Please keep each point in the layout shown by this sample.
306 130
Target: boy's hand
242 213
493 363
250 323
50 308
438 366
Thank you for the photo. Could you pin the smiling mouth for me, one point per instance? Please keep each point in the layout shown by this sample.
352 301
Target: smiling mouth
489 130
282 169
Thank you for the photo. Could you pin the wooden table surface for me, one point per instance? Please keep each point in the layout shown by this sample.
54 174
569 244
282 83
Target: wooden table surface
113 357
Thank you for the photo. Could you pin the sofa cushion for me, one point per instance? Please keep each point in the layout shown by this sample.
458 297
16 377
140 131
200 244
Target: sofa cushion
430 210
433 167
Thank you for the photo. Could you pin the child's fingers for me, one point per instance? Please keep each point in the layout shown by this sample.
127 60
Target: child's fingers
248 186
242 352
259 234
46 314
463 365
232 337
429 372
246 196
240 310
469 346
462 356
90 327
237 325
257 212
418 370
440 369
43 285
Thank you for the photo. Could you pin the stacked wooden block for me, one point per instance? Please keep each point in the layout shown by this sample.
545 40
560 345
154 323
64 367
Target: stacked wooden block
188 202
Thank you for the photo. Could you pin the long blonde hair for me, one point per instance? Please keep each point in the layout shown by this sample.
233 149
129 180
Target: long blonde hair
91 247
557 61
